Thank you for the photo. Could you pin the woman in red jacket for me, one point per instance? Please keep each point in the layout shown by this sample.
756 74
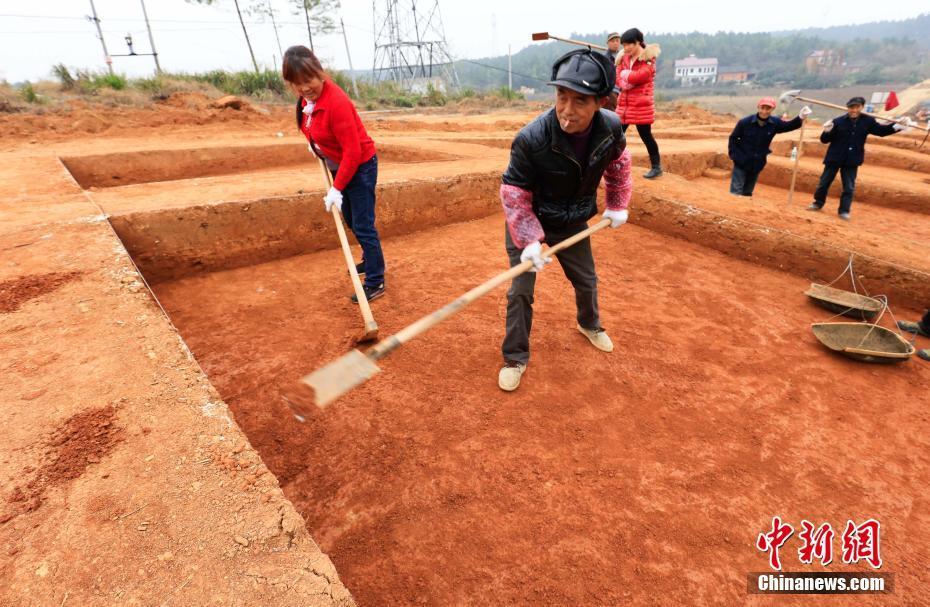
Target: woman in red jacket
636 72
329 120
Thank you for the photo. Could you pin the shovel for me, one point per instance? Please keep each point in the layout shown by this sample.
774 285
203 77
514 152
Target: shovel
371 327
355 368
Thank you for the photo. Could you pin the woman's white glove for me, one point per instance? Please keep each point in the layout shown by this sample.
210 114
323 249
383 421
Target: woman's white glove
805 112
624 74
533 252
827 126
617 218
333 197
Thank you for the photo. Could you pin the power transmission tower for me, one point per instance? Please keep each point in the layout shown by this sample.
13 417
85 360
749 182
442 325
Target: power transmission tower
410 45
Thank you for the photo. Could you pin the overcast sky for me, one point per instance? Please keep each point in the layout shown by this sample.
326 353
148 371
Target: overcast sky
38 34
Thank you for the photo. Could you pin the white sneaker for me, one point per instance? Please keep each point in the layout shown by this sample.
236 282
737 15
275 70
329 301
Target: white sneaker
509 377
598 338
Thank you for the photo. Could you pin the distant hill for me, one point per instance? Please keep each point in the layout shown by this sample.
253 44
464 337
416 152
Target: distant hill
917 29
899 51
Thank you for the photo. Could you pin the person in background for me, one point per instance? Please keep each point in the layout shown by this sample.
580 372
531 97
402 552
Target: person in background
921 327
613 46
549 192
334 130
750 141
613 49
636 72
846 135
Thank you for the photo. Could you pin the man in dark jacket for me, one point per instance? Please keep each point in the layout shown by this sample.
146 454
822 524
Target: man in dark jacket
750 141
549 192
846 136
613 49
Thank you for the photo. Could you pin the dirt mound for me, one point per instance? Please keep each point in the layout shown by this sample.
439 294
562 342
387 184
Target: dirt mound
688 113
78 117
81 441
14 293
193 101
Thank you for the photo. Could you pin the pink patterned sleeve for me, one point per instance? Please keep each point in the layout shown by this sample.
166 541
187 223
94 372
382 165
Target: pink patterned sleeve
618 181
523 224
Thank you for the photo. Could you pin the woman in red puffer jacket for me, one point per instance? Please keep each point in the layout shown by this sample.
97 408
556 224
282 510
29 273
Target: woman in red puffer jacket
636 72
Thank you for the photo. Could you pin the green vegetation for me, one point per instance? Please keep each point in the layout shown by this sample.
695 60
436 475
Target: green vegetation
267 86
29 94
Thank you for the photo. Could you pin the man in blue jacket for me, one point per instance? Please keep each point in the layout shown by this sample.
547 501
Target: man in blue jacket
846 136
750 141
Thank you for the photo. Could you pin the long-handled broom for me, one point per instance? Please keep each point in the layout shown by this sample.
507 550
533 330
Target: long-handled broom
355 368
371 327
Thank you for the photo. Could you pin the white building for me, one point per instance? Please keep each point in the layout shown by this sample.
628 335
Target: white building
694 70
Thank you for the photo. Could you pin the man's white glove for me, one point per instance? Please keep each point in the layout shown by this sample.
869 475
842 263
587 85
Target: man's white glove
533 252
827 126
617 218
805 112
904 126
333 197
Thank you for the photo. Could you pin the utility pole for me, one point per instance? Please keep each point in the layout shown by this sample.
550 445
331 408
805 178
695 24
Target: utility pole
509 69
151 38
275 26
246 32
96 20
349 55
309 33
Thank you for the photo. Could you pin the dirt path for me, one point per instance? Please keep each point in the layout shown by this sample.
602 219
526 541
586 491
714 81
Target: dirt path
124 478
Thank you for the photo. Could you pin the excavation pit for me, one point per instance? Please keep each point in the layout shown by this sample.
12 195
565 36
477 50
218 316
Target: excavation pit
427 484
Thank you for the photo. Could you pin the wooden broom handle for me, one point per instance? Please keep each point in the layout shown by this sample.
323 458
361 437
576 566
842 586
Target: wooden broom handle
388 344
367 316
876 116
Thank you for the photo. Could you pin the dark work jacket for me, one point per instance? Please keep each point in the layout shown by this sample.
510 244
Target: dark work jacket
749 142
543 162
847 139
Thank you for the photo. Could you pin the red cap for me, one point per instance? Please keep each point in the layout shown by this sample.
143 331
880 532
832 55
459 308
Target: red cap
769 101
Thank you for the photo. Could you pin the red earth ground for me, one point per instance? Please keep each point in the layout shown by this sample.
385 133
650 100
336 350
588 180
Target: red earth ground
641 477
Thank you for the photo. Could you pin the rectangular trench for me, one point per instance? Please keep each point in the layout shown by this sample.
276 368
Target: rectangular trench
428 485
427 492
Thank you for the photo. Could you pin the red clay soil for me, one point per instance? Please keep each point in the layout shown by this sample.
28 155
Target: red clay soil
642 477
82 440
17 291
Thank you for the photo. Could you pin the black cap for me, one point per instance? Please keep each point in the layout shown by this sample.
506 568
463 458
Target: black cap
856 101
584 71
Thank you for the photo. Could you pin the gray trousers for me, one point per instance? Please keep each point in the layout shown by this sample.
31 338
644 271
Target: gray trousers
577 263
